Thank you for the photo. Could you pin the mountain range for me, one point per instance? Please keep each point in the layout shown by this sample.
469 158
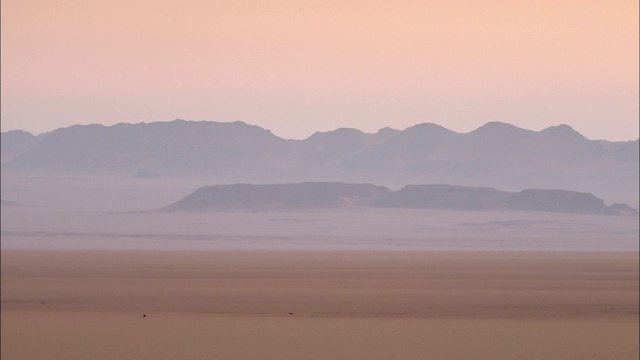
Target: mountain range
494 155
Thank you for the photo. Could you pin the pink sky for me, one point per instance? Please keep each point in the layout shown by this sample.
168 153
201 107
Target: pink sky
297 67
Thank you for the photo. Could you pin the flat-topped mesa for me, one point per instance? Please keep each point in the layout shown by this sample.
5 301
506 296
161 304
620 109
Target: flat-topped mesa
295 195
558 201
450 197
438 197
444 197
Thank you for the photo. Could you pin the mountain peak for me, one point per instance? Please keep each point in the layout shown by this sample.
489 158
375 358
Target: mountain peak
337 133
426 131
496 127
562 131
387 130
428 126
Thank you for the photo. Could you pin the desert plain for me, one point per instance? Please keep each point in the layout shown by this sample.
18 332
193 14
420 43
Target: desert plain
90 270
319 305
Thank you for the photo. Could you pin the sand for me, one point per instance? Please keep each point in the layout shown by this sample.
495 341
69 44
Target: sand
319 305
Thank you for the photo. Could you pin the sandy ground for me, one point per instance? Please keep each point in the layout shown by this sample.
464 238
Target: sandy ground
319 305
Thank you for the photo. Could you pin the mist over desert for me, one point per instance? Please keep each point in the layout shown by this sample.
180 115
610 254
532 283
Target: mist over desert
286 179
92 266
151 266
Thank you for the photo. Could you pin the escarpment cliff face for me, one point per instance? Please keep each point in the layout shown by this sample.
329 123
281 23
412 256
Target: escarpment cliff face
494 155
442 197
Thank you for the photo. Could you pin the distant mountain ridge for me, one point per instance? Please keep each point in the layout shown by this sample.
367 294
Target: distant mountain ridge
496 154
439 197
16 142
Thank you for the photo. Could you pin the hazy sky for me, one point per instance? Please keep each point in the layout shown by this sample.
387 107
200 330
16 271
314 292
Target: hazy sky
296 67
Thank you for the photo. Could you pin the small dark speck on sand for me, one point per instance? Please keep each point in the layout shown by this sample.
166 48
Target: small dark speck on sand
144 315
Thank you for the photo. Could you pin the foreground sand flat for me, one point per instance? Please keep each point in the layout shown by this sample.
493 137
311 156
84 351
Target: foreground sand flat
319 305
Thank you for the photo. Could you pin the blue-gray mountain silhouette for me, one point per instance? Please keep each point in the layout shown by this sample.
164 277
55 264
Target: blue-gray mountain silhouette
494 155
